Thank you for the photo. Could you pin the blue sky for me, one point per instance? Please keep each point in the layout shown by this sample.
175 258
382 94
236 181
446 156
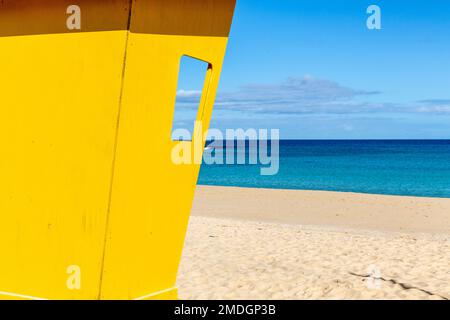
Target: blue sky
312 69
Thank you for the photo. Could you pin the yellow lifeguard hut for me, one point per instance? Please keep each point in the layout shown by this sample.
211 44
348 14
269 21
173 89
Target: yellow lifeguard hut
91 204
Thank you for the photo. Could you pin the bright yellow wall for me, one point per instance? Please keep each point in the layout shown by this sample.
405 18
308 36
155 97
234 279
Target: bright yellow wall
59 104
86 176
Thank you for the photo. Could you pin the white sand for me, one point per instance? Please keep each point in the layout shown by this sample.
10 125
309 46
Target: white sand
304 257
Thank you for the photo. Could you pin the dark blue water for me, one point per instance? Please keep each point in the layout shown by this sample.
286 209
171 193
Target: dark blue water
395 167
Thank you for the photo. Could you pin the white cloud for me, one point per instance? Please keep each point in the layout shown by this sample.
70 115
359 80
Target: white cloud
308 95
436 106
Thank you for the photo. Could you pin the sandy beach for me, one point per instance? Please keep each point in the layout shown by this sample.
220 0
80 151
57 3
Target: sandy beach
247 243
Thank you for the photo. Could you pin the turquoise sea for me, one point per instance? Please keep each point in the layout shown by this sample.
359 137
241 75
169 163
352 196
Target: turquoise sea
394 167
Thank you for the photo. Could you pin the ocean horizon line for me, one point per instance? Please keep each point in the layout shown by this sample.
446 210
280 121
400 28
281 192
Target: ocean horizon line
392 167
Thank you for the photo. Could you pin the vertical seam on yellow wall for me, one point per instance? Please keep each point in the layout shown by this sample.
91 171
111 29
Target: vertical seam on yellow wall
116 138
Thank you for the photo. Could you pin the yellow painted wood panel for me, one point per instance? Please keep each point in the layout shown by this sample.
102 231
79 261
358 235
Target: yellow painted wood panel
151 196
59 99
86 175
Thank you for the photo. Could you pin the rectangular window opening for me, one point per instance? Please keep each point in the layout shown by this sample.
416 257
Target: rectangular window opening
192 78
